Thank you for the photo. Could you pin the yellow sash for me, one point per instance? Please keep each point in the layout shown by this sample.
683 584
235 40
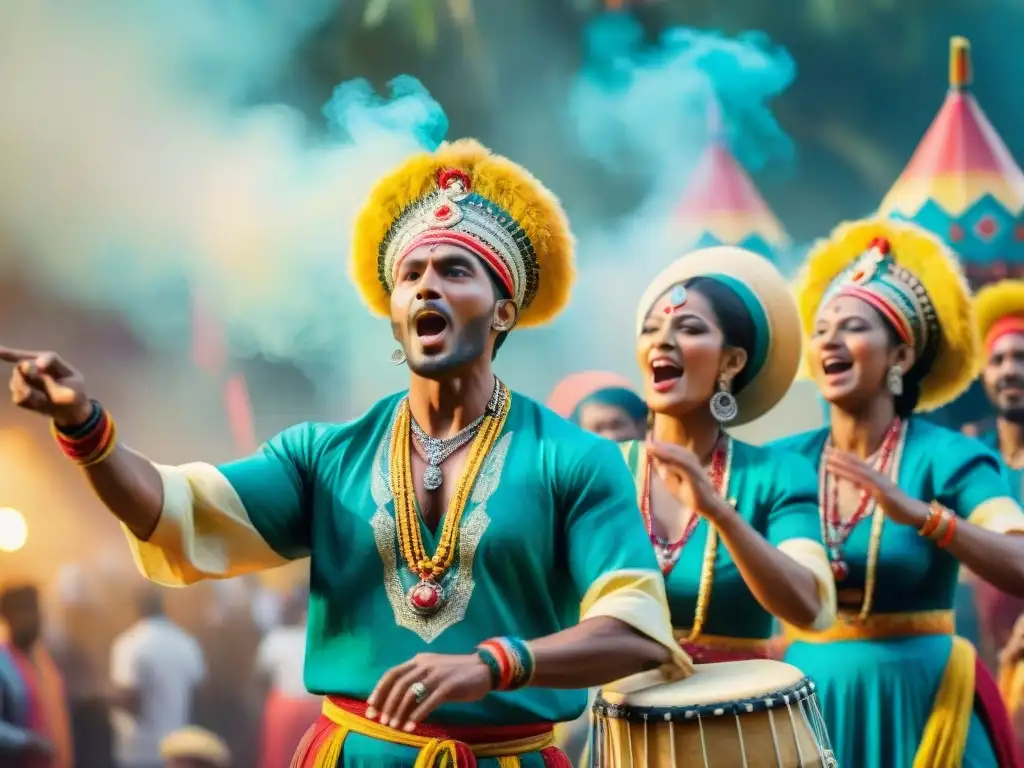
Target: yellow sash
945 734
1011 686
434 752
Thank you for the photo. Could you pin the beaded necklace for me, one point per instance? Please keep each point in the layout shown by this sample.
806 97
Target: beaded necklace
835 532
427 596
668 552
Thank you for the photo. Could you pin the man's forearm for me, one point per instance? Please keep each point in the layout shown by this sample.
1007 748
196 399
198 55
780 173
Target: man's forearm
129 486
594 652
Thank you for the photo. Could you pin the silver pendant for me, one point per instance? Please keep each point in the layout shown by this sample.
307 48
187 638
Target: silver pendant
433 477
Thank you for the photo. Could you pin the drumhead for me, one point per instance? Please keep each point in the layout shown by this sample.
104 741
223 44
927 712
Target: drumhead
728 686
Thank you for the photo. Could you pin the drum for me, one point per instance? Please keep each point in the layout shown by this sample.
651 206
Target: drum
740 714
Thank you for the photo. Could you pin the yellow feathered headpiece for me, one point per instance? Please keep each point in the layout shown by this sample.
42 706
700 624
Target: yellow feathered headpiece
915 282
465 195
999 309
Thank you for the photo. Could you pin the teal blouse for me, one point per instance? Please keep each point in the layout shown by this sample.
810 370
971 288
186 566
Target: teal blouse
777 493
552 511
937 464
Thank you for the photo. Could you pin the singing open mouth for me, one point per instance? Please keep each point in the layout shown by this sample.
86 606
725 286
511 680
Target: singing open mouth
836 366
430 327
665 374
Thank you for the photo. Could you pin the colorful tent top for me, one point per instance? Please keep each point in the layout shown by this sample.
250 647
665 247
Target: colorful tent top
721 205
963 184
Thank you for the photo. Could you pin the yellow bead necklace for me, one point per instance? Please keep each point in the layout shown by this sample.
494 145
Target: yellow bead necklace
427 595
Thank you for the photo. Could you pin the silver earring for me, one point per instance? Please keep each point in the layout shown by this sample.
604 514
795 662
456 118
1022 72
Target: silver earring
894 380
723 405
398 356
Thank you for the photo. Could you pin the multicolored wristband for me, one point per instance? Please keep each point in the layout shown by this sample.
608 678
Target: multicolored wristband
89 443
510 661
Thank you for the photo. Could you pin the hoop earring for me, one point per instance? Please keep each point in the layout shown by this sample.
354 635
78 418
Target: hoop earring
398 356
894 380
723 405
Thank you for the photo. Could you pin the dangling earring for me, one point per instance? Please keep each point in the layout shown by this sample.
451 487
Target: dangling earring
894 380
398 356
723 405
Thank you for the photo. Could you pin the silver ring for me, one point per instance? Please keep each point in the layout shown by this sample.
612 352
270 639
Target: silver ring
419 692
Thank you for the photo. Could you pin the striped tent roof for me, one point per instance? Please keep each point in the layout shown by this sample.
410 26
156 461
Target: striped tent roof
722 206
963 184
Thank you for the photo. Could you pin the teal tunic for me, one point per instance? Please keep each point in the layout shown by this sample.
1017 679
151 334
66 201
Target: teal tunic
776 492
876 695
552 511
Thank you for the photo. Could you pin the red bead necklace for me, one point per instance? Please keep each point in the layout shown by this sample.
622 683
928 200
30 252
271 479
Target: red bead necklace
667 551
835 530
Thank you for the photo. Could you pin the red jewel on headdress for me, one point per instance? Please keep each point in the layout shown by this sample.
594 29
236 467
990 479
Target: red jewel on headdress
881 245
451 178
443 212
878 249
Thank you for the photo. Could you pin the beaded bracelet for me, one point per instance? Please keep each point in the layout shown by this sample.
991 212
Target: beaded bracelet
510 661
940 525
89 443
936 513
947 537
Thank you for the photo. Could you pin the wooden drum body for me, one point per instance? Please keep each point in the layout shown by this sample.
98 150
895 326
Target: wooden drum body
742 714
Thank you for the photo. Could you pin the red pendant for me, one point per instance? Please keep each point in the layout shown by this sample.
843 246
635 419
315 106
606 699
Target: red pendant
426 597
840 570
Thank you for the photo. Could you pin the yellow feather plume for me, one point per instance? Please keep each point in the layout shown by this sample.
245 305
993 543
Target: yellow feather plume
935 265
494 177
996 301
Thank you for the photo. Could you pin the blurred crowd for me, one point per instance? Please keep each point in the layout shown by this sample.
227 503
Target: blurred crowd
112 673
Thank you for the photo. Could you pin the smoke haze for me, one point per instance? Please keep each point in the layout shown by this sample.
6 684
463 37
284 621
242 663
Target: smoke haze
137 166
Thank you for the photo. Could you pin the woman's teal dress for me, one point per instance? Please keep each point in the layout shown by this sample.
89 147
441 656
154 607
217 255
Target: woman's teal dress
776 492
876 695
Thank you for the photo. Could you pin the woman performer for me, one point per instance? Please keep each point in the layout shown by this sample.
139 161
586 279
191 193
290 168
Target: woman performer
735 528
602 403
903 502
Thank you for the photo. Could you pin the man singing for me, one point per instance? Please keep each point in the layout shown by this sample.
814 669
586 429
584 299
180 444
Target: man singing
475 565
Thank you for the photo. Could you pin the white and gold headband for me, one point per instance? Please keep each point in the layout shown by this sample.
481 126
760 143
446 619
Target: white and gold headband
453 214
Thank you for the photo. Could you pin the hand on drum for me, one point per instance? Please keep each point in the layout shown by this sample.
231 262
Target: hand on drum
686 477
407 694
43 383
897 506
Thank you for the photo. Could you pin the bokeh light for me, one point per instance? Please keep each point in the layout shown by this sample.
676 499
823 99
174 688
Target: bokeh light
13 530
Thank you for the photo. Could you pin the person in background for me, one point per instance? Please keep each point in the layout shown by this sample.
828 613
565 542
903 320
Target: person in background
155 669
602 403
34 730
999 314
193 747
289 707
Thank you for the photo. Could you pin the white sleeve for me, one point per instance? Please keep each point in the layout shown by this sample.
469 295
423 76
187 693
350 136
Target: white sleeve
266 655
200 661
124 662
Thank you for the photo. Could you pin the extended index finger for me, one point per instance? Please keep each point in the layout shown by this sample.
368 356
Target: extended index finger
11 355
